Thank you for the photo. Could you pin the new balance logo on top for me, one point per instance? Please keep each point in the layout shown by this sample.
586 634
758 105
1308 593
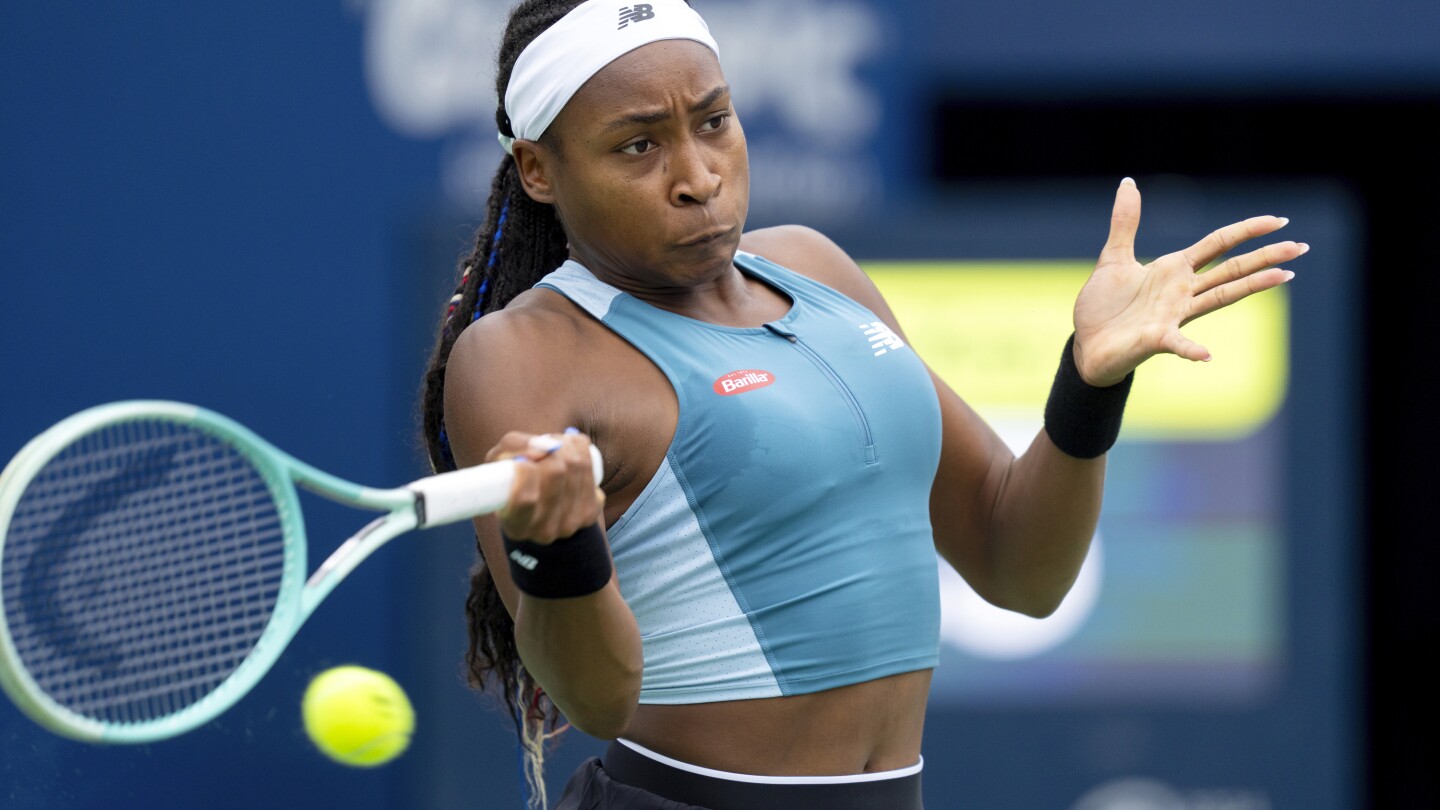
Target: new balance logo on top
524 560
640 12
882 338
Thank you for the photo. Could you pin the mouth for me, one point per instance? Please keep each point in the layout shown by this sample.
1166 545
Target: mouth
706 238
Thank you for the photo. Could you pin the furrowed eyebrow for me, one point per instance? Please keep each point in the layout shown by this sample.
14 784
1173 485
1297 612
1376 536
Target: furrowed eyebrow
656 116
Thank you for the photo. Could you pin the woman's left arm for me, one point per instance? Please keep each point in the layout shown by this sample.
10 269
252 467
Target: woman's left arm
1018 528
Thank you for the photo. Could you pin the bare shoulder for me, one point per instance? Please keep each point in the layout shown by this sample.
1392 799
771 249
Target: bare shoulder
815 255
513 370
534 328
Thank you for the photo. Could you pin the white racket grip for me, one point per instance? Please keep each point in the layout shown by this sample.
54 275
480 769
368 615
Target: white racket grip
462 494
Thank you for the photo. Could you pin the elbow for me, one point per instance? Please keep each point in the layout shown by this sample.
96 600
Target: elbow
605 712
1035 602
608 719
1039 608
1036 585
603 727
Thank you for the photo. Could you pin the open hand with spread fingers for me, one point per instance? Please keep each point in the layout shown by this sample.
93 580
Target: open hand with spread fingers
1128 312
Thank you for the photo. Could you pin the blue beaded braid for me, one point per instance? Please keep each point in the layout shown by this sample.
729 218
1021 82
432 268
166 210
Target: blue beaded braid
475 316
537 246
445 449
490 262
480 299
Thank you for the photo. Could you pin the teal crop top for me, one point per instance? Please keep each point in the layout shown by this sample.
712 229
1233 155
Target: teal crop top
784 544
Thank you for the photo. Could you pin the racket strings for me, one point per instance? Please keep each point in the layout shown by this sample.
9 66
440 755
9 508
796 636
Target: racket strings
140 568
126 574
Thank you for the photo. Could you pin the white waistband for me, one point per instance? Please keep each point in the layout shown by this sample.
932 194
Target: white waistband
877 776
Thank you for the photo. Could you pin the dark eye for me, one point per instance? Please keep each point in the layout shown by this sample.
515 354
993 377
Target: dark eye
714 122
638 147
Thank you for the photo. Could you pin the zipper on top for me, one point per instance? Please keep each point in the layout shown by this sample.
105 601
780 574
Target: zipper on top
846 394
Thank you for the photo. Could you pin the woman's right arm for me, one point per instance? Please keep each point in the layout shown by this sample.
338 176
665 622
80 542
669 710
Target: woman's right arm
512 375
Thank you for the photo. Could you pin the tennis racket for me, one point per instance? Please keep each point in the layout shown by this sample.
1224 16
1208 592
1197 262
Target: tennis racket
153 559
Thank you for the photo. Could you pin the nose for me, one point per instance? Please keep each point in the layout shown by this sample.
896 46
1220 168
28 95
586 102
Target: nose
693 180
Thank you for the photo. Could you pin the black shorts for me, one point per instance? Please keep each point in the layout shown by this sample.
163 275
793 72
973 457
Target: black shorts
627 779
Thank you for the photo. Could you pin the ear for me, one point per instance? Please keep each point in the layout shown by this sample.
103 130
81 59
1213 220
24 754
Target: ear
536 166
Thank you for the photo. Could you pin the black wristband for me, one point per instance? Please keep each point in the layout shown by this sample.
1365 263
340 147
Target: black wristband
1081 419
571 566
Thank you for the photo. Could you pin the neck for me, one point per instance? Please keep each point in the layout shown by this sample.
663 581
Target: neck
721 295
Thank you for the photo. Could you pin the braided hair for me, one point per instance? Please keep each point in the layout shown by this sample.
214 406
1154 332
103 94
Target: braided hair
521 240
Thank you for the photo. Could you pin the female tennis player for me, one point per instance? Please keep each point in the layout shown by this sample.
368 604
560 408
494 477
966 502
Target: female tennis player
748 604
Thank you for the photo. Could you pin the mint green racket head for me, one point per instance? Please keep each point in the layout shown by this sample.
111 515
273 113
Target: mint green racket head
152 558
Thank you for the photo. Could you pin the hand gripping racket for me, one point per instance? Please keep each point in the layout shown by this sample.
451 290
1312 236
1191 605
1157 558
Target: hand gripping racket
152 563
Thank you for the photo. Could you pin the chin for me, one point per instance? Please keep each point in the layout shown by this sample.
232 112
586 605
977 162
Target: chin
704 267
718 256
698 267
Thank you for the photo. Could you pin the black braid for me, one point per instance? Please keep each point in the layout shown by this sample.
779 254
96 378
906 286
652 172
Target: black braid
520 242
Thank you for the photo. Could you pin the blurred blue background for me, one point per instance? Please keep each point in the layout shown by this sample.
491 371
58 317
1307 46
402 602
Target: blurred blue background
258 208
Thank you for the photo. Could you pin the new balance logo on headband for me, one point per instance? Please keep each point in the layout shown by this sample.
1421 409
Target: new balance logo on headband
640 13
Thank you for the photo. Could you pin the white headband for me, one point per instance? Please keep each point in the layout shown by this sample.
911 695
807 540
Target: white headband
555 64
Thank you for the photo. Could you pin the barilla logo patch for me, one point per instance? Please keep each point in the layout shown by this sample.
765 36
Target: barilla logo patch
746 379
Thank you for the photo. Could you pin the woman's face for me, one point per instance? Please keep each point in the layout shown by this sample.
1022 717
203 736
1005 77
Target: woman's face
647 166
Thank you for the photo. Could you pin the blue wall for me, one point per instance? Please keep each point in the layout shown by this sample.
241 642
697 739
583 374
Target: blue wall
199 204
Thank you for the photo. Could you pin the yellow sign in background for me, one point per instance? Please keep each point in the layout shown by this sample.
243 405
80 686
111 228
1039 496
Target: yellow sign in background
994 332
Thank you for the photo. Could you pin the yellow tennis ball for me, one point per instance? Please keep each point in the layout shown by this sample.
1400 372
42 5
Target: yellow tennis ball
357 716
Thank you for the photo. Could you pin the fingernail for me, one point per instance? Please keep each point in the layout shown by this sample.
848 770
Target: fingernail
548 444
521 460
570 431
1289 274
1129 180
1304 248
1284 221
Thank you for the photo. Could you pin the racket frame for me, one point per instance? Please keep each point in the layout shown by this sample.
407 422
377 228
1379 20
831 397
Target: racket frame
432 501
296 598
